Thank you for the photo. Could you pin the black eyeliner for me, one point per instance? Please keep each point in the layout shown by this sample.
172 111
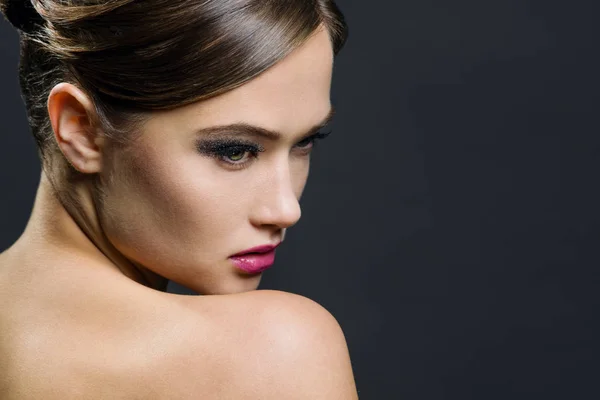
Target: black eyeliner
317 136
223 147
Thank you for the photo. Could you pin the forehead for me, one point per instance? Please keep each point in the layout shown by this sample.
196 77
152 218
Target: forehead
293 94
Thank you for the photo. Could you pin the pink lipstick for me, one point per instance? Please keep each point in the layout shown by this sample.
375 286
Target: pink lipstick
256 259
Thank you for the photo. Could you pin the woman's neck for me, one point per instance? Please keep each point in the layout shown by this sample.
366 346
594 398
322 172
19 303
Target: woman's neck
73 225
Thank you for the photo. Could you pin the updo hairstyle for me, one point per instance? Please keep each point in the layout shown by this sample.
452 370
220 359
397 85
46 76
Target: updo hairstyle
135 56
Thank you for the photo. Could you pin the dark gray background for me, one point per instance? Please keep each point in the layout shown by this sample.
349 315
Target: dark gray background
451 221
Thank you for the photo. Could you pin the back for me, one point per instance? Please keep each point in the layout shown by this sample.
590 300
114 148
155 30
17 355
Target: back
96 335
67 335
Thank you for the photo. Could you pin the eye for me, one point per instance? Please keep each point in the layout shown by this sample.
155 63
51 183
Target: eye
233 153
310 142
306 142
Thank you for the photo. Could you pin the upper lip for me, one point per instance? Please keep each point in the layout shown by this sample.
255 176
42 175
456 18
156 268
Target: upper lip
258 249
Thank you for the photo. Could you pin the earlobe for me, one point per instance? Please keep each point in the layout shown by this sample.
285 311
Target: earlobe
69 109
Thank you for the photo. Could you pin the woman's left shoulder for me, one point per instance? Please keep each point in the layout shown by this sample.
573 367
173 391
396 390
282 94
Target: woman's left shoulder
286 337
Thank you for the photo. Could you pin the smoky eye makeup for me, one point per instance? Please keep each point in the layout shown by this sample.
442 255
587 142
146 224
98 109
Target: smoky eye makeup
313 139
223 147
208 146
237 152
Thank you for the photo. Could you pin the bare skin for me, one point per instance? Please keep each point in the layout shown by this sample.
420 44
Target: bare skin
84 314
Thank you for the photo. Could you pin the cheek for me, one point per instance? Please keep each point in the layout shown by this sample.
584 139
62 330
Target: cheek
164 208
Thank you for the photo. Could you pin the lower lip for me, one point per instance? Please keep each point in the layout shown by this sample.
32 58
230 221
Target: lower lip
254 263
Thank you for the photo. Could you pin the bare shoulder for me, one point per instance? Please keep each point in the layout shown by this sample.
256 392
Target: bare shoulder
281 307
281 345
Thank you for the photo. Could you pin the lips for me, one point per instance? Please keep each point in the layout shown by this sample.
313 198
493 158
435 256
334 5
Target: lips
256 259
258 250
254 263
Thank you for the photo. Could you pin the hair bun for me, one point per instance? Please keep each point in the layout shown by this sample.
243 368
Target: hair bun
21 14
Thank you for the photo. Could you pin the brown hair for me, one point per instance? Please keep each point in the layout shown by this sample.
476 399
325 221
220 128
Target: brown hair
134 56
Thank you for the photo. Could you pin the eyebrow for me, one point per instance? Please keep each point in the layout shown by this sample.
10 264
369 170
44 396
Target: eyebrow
258 131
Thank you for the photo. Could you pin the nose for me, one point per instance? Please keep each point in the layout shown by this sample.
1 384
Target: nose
277 203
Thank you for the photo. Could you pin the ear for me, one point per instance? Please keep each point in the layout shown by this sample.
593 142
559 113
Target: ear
69 109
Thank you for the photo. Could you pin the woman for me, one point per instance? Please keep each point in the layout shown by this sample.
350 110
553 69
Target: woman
175 137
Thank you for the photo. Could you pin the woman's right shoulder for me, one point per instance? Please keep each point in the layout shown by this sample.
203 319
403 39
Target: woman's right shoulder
272 344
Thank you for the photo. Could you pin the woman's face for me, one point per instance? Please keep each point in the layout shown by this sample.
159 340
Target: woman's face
182 200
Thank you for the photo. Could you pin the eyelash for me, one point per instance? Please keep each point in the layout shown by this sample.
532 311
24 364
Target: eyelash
220 149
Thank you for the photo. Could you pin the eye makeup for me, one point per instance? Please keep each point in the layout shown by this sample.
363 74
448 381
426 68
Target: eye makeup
236 153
